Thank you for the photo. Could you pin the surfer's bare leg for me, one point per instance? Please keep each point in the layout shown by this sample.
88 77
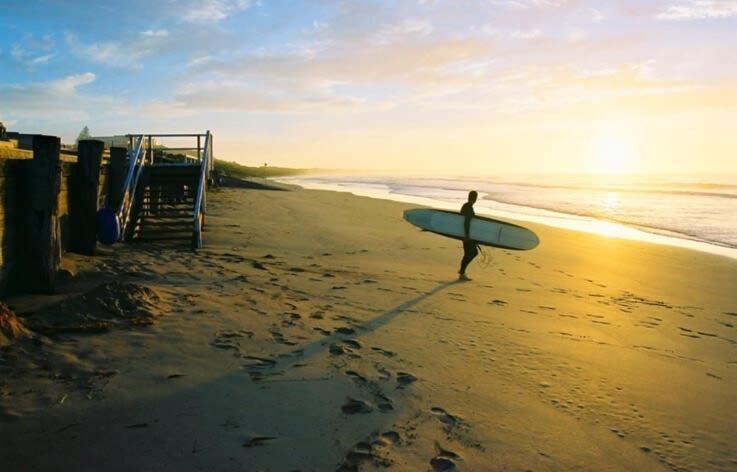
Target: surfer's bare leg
469 253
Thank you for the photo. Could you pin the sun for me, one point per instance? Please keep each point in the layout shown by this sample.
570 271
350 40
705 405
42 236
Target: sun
613 153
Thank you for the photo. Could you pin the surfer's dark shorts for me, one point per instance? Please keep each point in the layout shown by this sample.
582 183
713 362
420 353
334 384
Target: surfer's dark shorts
470 249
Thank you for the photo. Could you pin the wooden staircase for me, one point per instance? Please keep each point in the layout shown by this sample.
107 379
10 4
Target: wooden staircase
165 203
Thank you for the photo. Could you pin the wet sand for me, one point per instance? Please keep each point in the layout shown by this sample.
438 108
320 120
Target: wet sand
318 330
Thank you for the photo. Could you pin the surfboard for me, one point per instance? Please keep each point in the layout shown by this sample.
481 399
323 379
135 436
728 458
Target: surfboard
483 230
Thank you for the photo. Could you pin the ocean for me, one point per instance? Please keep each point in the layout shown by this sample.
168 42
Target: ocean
693 212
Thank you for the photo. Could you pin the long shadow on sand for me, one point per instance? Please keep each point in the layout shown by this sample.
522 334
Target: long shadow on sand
369 326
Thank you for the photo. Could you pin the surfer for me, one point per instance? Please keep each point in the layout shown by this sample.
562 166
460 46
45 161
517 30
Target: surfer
470 250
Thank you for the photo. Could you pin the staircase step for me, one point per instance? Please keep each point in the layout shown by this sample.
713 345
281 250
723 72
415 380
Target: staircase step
165 215
167 225
163 237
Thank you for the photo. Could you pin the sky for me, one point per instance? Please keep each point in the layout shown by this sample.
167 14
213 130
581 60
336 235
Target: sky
426 86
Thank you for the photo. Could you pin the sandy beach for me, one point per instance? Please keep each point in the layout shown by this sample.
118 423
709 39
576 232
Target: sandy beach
319 331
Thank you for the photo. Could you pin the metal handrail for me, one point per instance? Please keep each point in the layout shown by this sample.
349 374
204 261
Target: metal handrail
200 204
136 158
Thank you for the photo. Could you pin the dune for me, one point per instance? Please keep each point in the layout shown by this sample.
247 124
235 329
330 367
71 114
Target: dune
319 331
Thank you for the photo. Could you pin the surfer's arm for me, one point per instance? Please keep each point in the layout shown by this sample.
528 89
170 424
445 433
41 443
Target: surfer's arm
467 225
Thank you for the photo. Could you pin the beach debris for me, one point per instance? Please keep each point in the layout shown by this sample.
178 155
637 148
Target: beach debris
11 327
175 376
137 425
111 304
62 399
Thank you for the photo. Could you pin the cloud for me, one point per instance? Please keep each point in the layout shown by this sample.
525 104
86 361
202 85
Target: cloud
32 51
212 11
162 33
699 10
530 3
597 16
407 27
526 34
227 95
122 53
60 97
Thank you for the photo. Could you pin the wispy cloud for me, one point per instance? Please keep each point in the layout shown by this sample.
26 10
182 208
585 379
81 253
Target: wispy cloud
120 53
57 97
526 34
211 11
32 51
699 10
530 3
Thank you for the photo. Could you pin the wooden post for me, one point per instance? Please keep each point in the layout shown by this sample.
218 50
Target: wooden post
116 178
84 193
42 222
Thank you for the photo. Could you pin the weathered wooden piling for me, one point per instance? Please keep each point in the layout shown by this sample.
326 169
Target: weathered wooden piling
84 197
43 257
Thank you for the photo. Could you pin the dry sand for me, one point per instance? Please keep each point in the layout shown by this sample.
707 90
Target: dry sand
317 330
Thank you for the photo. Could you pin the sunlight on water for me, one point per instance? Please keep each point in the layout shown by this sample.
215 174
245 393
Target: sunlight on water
611 201
682 213
606 228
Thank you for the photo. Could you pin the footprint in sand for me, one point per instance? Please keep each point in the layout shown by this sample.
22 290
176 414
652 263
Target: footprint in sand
372 451
384 403
356 377
344 346
279 338
445 417
253 441
404 379
442 464
345 330
353 406
258 265
444 460
383 352
388 438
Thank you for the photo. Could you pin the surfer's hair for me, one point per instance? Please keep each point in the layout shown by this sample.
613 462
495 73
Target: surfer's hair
472 195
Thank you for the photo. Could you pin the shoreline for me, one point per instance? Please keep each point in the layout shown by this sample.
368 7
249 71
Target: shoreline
552 218
317 330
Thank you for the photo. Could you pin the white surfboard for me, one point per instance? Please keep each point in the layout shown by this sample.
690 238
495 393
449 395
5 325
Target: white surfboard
486 231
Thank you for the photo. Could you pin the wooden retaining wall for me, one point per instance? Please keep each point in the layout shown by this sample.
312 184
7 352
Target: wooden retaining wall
29 240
